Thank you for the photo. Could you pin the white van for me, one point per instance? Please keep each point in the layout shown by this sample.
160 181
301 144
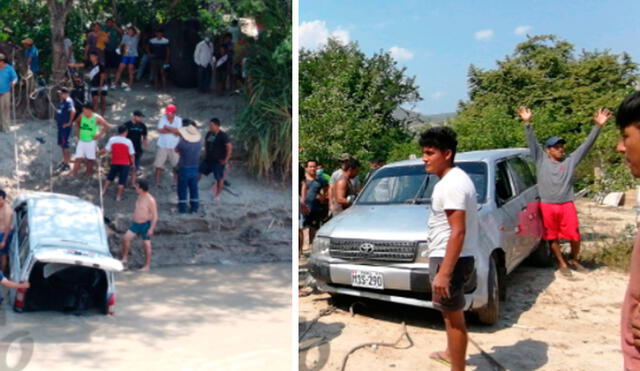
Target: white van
60 246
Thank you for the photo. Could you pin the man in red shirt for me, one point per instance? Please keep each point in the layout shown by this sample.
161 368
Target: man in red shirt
122 160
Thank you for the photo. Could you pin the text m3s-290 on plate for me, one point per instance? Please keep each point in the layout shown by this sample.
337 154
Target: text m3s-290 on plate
372 280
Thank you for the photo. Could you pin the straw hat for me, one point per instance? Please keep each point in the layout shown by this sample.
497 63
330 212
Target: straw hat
190 133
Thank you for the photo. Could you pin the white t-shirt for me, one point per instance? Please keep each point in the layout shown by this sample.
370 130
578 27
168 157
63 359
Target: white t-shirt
169 140
455 191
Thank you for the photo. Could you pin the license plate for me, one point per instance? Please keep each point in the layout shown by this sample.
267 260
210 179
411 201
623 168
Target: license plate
372 280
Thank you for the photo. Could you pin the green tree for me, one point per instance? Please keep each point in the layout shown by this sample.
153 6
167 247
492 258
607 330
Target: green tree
347 102
563 90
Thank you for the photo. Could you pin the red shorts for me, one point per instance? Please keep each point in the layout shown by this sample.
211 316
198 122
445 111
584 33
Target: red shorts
560 221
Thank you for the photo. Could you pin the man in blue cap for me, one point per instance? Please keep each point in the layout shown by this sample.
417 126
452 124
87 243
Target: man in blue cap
555 185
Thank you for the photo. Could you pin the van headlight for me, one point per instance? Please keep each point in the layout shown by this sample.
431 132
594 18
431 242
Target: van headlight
422 255
321 246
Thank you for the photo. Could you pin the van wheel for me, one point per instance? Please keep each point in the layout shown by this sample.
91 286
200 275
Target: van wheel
542 255
488 315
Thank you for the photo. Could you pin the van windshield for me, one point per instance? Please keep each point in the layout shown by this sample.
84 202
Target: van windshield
413 185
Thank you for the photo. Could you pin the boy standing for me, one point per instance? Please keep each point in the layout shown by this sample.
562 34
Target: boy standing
122 159
452 239
87 137
137 133
628 121
64 118
145 218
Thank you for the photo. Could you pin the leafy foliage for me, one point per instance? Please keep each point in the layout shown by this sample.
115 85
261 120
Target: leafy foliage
347 102
563 90
265 125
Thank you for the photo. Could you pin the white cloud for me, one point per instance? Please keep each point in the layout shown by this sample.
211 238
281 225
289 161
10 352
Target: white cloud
437 95
314 34
400 54
484 35
341 35
521 30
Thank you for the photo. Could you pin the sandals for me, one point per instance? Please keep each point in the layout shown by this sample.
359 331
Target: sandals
565 271
574 264
440 357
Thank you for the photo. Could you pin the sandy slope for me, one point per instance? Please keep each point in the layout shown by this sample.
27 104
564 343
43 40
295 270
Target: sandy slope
251 225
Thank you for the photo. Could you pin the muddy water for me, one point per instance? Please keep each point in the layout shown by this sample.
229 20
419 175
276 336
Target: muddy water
232 317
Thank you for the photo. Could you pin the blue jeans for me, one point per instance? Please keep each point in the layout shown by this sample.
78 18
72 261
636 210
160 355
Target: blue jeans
143 64
188 182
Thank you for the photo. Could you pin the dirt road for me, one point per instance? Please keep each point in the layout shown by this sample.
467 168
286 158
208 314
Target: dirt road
548 322
179 318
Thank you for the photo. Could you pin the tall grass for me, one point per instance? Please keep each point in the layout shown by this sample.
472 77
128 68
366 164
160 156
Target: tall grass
264 126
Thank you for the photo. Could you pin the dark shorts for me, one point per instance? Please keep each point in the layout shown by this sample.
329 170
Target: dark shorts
112 58
63 136
95 92
461 274
121 171
217 169
314 218
5 251
141 229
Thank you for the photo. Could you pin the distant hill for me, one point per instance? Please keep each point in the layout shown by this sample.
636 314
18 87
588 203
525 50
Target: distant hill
418 121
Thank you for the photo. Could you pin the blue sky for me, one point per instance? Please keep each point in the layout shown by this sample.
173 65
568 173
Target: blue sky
437 40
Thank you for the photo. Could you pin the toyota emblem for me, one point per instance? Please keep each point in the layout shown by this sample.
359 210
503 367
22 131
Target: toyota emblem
367 248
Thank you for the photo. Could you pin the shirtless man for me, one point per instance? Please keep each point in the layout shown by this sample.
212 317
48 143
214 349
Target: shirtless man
145 218
5 230
344 188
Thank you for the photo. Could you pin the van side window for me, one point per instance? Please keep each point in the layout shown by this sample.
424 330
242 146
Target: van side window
523 178
504 191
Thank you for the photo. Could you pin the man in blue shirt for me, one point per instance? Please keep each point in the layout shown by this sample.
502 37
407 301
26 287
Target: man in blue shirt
64 118
31 55
8 78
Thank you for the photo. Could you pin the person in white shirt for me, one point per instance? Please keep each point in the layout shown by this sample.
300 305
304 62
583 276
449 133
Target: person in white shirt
129 52
202 57
167 141
452 239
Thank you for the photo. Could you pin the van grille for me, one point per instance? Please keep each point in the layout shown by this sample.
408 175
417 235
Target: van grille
391 251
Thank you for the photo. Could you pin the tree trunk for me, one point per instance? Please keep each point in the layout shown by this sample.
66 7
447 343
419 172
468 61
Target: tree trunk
58 10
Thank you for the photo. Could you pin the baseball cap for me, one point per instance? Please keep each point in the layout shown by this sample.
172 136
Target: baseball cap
138 113
553 141
28 40
63 90
344 157
170 109
3 57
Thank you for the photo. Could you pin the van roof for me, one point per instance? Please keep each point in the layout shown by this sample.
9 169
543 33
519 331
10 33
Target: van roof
59 220
483 155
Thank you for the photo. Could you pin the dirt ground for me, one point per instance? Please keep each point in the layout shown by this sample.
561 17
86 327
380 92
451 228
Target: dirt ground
205 317
252 223
548 322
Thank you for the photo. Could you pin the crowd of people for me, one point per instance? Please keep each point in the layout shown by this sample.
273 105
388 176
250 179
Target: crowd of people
323 196
180 143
